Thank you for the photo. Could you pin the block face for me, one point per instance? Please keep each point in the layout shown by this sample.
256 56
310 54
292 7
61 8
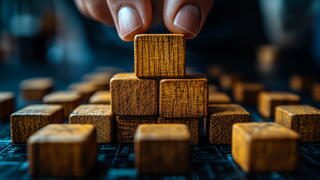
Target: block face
131 96
62 150
303 119
7 105
219 98
97 115
183 98
264 147
159 56
247 92
35 89
28 120
85 89
222 117
100 97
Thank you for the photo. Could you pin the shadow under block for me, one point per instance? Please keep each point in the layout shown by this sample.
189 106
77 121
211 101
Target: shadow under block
264 147
7 105
219 98
303 119
268 101
183 98
28 120
100 97
127 126
131 96
222 117
85 89
97 115
159 56
62 150
247 93
193 125
162 149
35 89
68 99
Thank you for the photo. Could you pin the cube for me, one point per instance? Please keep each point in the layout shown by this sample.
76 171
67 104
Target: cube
100 97
219 98
7 105
247 93
85 89
316 92
35 89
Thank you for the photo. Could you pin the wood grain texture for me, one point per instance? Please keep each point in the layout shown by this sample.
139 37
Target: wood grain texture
183 98
131 96
192 123
268 101
85 89
68 99
219 98
300 83
62 150
35 89
28 120
159 56
303 119
264 147
100 79
316 92
127 126
7 105
222 117
100 97
97 115
247 93
162 149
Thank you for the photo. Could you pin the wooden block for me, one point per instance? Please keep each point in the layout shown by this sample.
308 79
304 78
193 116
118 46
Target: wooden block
247 93
131 96
100 97
222 117
62 150
227 80
303 119
212 89
97 115
100 79
127 126
68 99
183 98
28 120
268 101
162 149
7 105
316 92
264 147
36 88
107 69
85 89
159 56
219 98
300 83
192 123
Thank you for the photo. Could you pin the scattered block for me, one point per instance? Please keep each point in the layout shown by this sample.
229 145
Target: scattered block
68 99
100 79
97 115
303 119
127 126
162 149
264 147
316 92
219 98
7 105
85 89
28 120
36 88
183 98
62 150
100 97
227 80
212 89
131 96
222 117
247 93
159 56
300 83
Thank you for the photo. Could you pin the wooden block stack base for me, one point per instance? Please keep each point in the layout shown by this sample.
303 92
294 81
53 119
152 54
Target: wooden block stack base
7 105
35 89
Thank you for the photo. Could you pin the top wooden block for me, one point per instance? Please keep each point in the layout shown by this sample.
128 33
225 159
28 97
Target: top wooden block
159 56
156 132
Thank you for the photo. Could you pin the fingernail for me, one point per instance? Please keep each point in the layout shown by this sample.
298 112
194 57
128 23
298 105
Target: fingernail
128 21
188 19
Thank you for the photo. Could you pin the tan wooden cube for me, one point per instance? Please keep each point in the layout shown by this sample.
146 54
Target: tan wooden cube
263 147
62 150
100 97
247 93
159 56
28 120
162 149
97 115
316 92
7 105
85 89
101 80
303 119
219 98
300 83
35 89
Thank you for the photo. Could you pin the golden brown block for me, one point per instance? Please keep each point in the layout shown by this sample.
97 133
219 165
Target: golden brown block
227 80
192 123
300 83
28 120
85 89
219 98
100 79
264 147
62 150
303 119
68 99
7 105
36 88
131 96
183 98
316 92
247 93
222 117
100 97
268 101
162 149
159 56
127 126
212 89
97 115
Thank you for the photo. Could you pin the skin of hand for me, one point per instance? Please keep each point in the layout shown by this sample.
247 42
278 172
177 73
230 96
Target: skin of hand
131 17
